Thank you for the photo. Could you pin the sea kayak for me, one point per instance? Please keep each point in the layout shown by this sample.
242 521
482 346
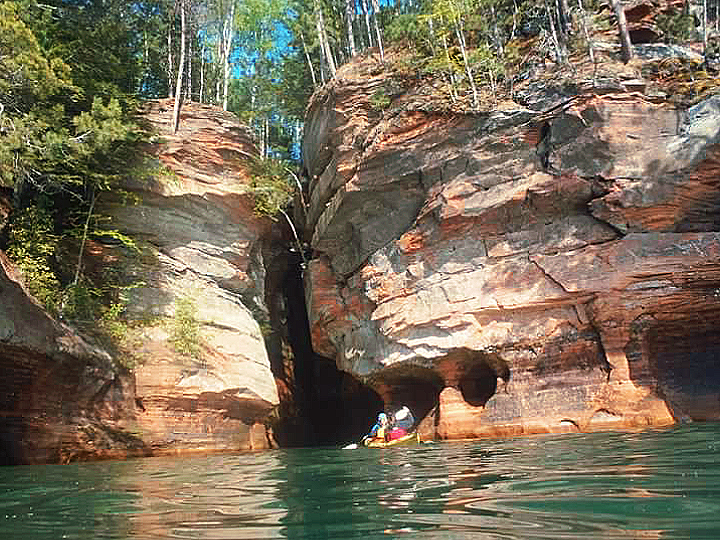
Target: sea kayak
410 438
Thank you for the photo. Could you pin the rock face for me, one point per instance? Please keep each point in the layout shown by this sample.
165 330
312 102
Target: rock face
61 398
184 252
199 249
518 271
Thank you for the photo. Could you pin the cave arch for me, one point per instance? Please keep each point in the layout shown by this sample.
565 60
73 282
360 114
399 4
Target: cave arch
415 386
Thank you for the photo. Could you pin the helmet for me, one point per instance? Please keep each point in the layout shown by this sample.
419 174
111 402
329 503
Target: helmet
402 413
382 418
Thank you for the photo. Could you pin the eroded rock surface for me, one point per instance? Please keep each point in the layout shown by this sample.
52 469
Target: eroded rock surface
62 398
184 253
518 271
199 246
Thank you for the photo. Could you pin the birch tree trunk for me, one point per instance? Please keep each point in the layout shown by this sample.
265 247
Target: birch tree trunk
227 43
705 28
188 91
170 70
307 58
559 56
586 33
349 12
564 18
322 36
461 40
376 10
202 72
496 32
366 13
181 67
626 51
221 61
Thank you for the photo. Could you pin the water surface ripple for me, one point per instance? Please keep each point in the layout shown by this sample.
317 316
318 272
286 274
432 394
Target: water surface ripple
644 485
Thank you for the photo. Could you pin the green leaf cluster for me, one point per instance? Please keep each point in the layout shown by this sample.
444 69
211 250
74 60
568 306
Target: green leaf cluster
185 329
676 25
270 186
32 244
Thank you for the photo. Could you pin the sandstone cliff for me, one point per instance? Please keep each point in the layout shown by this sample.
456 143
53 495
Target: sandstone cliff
552 264
196 221
61 398
194 242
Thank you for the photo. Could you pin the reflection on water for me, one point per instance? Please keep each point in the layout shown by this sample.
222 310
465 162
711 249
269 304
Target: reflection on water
654 484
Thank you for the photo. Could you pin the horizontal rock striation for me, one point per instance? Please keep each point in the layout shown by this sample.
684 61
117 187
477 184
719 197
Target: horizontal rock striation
526 270
199 248
61 398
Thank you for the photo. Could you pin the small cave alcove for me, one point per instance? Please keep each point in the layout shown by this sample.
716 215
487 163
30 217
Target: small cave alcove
682 356
478 384
478 381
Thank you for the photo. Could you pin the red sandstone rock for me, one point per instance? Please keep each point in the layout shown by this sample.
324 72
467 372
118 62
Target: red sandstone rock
62 398
518 271
198 239
196 221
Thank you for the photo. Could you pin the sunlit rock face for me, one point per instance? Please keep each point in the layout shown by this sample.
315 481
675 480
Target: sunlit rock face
520 271
199 246
206 246
180 235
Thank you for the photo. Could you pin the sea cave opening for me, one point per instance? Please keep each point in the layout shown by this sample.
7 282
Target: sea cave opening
415 386
682 356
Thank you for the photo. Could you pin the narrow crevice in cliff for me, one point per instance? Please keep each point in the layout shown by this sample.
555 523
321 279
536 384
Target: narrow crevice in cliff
333 407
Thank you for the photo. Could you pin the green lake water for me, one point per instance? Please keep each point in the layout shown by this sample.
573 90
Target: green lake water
649 484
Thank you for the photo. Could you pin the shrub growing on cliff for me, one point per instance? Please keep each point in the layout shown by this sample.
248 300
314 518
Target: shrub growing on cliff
270 186
185 328
32 245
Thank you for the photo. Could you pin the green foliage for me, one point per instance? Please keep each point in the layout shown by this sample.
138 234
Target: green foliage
270 186
409 29
380 100
492 67
81 302
32 245
121 333
676 25
185 328
66 119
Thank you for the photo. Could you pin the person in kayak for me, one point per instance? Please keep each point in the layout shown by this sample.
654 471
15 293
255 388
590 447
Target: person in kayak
401 423
380 429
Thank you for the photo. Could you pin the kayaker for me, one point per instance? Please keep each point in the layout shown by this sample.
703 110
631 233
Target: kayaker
404 418
380 429
402 422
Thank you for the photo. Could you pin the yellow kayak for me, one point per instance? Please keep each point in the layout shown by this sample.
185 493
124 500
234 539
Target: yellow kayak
410 438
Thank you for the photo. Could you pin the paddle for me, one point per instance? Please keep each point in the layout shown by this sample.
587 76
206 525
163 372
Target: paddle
354 446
